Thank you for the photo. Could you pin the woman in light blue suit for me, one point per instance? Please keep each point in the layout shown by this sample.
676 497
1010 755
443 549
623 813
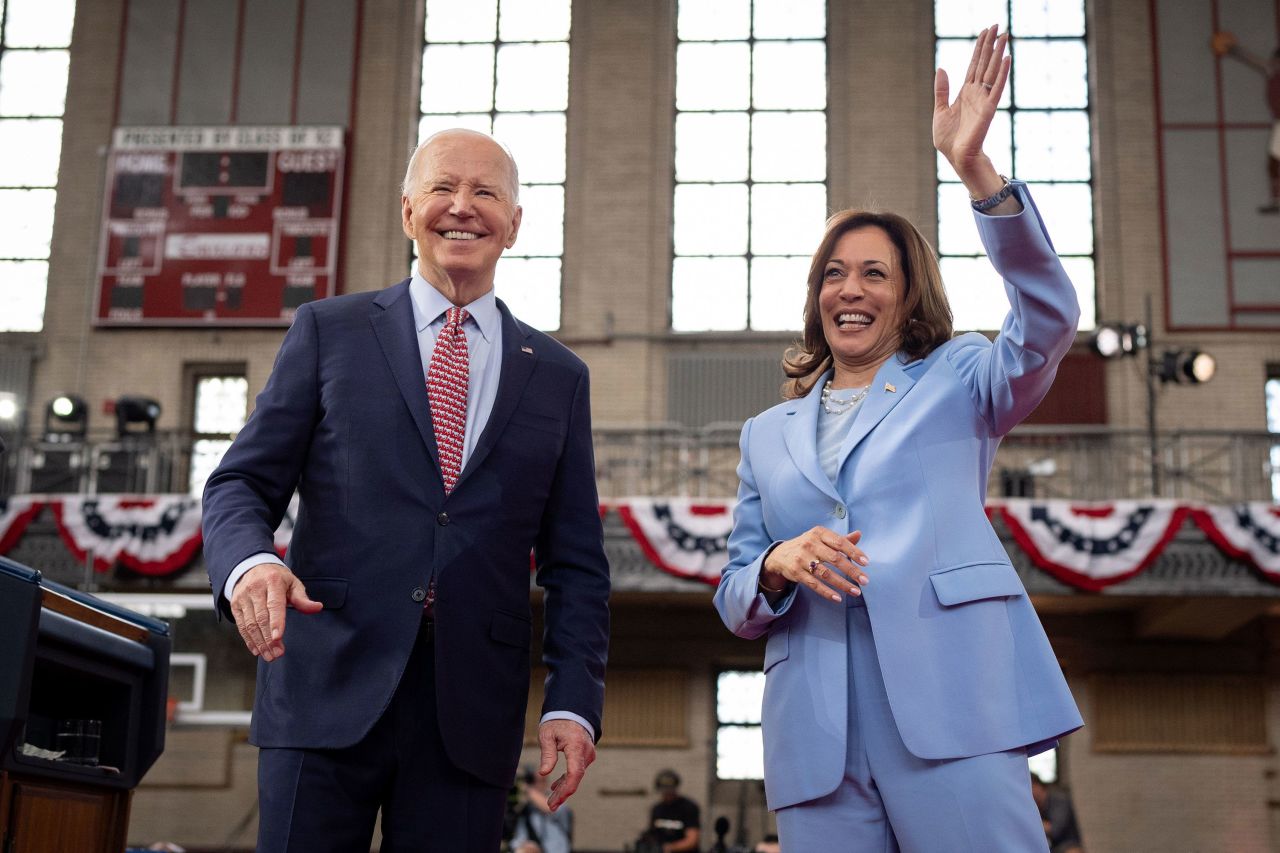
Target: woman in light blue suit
907 675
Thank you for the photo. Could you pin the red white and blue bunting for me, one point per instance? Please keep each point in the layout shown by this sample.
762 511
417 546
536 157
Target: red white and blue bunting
1246 531
284 533
16 513
1089 546
153 535
686 537
1094 545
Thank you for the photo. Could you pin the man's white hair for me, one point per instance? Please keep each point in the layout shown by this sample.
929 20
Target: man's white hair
411 171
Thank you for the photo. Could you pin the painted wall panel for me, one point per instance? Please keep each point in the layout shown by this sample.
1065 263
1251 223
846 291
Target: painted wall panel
1259 321
267 62
325 69
1244 95
146 78
1256 281
1248 189
1195 236
1186 63
207 65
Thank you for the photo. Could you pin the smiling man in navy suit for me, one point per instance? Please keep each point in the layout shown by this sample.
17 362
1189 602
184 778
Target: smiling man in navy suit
435 440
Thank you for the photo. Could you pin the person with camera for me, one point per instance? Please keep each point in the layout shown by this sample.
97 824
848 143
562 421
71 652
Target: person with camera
538 829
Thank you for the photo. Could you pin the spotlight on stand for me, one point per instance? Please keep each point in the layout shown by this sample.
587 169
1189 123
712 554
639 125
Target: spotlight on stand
65 419
8 415
136 416
8 409
1115 340
1186 367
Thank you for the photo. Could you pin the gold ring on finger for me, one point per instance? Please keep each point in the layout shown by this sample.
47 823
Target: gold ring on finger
813 565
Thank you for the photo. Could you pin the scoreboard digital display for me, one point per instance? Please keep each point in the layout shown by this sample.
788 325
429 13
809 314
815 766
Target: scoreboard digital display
219 226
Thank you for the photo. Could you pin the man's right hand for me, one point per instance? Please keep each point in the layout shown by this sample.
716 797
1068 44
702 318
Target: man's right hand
258 604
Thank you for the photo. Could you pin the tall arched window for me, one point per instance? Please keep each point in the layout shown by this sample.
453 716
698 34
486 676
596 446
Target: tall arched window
34 39
502 67
1040 135
750 161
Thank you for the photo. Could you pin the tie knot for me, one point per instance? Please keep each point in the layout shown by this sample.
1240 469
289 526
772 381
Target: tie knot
456 316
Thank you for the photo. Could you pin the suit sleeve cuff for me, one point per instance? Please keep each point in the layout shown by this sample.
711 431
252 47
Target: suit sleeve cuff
783 604
245 565
568 715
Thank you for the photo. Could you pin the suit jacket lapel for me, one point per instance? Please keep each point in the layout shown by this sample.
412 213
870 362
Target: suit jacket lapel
800 433
518 360
392 319
890 385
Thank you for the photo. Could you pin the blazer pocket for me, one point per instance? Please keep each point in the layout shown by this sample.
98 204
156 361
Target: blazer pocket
510 629
536 420
976 581
331 592
777 648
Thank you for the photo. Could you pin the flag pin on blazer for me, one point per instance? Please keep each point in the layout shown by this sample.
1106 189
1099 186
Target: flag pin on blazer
527 349
889 386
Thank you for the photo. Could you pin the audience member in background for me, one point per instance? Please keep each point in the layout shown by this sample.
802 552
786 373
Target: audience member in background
1059 817
674 821
538 829
769 845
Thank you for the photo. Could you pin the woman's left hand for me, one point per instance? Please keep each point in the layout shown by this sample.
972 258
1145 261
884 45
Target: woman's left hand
960 128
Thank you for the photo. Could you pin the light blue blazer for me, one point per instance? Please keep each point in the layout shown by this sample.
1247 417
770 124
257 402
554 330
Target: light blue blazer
966 664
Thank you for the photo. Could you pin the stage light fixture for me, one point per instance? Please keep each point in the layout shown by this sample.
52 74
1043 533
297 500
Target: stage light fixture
66 418
1107 341
1115 340
136 415
1186 367
8 408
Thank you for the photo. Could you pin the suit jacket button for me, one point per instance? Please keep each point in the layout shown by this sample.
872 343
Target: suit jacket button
419 594
839 510
442 519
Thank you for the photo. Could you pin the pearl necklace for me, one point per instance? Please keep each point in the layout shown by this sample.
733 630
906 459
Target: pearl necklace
837 405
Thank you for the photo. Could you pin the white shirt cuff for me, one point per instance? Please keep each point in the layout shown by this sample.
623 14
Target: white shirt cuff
568 715
245 565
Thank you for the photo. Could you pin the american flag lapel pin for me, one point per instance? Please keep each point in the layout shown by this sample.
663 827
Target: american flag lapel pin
890 387
527 349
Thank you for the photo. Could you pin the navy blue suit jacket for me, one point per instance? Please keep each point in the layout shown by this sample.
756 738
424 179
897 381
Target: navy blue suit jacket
345 419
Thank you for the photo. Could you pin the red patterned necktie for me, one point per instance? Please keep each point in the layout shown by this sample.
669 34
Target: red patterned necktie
447 390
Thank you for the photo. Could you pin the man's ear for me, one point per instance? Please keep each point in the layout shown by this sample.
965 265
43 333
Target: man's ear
406 217
515 226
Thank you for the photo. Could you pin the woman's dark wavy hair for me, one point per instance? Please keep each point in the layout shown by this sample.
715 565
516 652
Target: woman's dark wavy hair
928 314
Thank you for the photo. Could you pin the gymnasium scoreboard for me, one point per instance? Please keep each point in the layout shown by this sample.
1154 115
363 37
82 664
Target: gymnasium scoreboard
218 226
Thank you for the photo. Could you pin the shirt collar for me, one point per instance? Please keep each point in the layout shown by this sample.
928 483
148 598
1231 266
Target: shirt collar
429 304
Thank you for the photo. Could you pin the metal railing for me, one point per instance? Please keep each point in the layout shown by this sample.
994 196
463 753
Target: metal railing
1078 463
150 463
667 459
1097 463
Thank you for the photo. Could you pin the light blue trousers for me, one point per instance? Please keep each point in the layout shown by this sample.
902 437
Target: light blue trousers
892 801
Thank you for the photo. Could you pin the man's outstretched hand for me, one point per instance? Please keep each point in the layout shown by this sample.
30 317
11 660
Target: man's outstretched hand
579 751
258 604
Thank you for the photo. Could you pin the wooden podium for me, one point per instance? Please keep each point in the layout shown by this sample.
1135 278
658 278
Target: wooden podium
65 655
